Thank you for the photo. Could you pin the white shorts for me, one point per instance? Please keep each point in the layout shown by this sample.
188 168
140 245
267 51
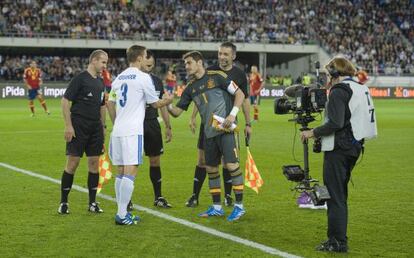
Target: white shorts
126 150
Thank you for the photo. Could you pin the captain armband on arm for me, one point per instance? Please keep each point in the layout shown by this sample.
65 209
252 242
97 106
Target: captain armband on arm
232 88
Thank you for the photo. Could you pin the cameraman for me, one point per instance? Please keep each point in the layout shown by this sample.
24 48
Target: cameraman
349 119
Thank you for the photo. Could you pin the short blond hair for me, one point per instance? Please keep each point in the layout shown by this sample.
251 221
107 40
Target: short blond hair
96 54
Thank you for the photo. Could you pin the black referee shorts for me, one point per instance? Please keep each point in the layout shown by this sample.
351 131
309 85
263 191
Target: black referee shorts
89 138
152 138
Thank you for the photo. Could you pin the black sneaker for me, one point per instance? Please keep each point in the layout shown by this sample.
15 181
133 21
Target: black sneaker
162 202
130 206
94 208
228 201
332 245
192 202
63 208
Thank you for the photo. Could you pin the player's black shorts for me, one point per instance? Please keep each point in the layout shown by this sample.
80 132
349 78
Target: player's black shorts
152 138
200 143
89 138
223 145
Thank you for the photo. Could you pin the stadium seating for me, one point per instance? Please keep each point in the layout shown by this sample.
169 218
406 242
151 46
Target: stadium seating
363 32
373 38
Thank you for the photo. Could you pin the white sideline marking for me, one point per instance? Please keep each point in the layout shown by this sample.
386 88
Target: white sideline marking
266 249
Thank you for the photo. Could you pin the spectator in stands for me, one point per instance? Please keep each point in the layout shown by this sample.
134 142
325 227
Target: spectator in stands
374 38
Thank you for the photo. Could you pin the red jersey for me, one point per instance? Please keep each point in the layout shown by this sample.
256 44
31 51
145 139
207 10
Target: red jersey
171 80
107 78
255 82
33 77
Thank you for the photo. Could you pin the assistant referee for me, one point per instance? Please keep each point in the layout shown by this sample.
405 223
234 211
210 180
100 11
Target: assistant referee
83 107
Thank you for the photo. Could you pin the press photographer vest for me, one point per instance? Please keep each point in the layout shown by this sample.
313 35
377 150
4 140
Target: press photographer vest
361 125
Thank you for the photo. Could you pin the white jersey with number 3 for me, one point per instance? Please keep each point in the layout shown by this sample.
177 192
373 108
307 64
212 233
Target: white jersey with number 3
131 90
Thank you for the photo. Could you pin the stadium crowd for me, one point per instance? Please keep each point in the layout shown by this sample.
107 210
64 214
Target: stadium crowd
402 13
369 39
64 68
54 68
370 33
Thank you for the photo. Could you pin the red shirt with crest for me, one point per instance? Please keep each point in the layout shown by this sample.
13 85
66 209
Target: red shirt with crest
33 77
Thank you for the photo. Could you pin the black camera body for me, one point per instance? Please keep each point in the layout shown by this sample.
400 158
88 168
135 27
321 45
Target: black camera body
306 100
293 173
319 194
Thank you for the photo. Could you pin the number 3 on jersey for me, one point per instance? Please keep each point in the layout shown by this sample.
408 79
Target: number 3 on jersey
123 98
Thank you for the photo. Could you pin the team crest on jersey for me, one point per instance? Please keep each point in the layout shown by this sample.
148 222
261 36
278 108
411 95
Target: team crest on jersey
210 83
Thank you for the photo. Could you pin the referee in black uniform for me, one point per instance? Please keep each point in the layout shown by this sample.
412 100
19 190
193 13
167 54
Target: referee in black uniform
84 127
226 57
153 146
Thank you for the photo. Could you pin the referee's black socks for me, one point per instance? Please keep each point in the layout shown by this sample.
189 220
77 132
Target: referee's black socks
93 180
155 175
65 186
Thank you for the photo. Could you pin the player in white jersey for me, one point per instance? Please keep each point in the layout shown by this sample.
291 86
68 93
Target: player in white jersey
349 120
130 93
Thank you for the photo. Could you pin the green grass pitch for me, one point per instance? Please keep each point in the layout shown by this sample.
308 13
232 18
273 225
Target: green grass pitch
381 210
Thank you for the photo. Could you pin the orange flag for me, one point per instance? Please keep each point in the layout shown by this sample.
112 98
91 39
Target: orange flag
105 173
252 176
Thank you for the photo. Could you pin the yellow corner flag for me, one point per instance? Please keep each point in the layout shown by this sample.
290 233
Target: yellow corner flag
105 173
252 176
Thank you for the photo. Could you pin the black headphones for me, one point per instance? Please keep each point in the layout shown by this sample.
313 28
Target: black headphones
332 71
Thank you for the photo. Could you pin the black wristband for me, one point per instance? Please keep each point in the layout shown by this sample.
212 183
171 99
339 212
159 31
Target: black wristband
249 124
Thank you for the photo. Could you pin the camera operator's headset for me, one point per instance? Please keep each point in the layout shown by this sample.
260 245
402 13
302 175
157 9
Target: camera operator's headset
332 71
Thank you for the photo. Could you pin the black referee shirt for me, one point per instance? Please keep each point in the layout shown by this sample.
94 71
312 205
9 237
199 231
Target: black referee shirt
87 96
150 112
237 75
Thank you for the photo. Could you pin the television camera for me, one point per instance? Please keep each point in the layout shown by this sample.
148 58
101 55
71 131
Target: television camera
305 102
